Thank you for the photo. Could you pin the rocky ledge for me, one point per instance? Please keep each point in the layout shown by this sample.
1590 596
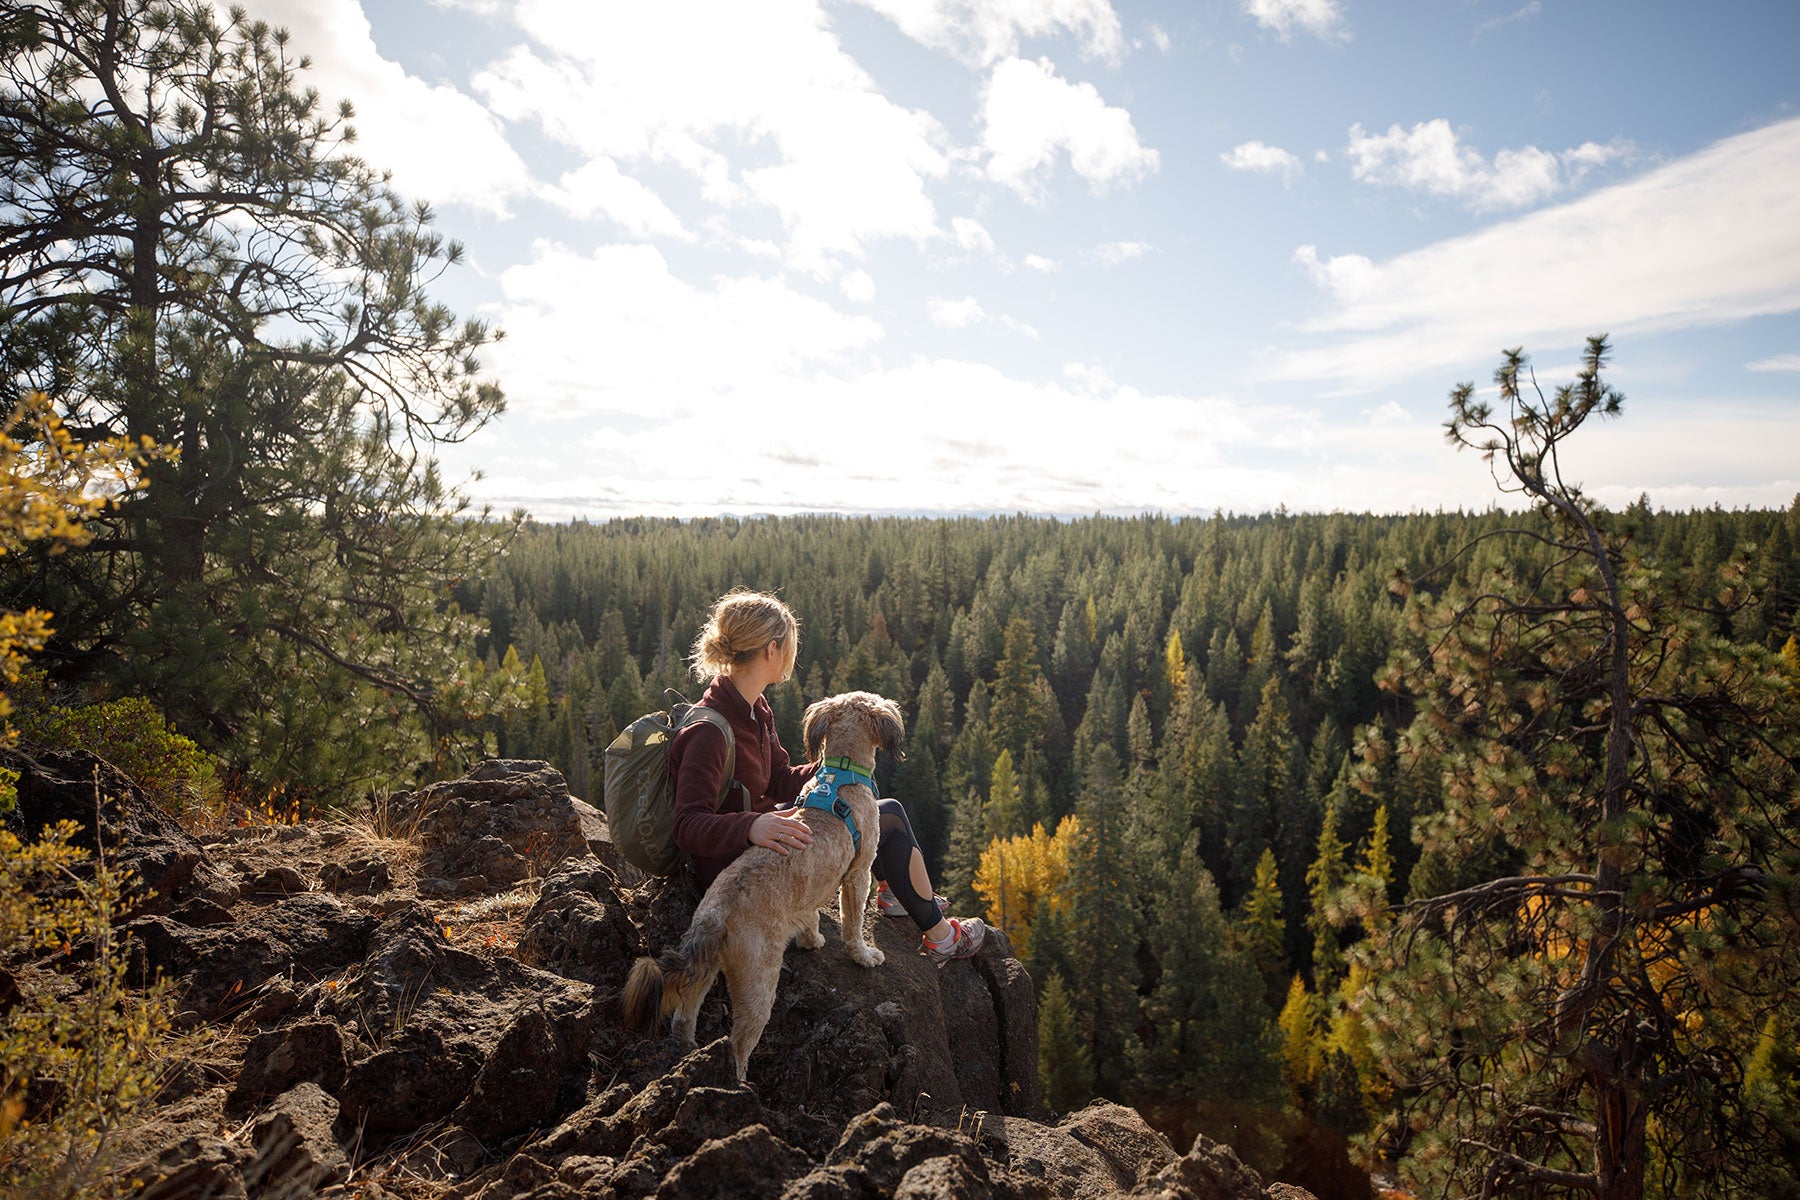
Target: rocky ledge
427 1006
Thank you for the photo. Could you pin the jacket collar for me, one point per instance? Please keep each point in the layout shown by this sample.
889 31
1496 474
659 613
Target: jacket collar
723 695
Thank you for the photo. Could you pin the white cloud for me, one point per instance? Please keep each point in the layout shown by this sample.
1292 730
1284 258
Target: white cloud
1322 18
616 332
441 145
956 314
1111 254
838 162
1706 240
601 189
982 32
1037 262
1263 159
960 436
1160 37
615 413
1030 115
971 235
1020 327
1346 276
1429 158
1779 362
857 285
1590 155
1528 12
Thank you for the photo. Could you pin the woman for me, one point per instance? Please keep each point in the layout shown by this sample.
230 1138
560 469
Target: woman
749 642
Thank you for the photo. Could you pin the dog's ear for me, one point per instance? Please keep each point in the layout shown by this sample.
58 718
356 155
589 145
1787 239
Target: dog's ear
812 727
891 729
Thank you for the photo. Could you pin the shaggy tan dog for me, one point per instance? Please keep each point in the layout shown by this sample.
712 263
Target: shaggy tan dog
764 899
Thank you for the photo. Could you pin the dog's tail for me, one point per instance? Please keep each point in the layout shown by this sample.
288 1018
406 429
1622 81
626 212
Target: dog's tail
656 988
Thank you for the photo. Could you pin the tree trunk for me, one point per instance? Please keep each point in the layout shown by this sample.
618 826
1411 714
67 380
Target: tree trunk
1620 1150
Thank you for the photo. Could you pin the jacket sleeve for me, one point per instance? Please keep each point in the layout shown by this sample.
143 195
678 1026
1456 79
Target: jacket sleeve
698 757
786 782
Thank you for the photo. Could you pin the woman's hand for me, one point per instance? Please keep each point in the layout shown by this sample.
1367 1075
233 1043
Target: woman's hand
783 831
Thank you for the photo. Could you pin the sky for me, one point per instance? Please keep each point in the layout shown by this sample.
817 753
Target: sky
1071 256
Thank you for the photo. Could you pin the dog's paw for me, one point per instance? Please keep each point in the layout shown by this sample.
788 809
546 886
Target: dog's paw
867 956
809 939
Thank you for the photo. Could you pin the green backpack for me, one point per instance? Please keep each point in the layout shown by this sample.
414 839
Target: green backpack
639 791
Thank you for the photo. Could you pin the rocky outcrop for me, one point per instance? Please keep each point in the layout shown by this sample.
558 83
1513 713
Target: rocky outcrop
580 927
503 822
935 1041
217 970
111 815
446 1033
498 1069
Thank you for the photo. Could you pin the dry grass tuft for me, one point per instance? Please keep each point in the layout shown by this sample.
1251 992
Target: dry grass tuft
491 924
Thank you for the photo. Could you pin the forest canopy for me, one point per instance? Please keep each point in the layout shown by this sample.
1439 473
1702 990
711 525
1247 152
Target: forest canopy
1191 712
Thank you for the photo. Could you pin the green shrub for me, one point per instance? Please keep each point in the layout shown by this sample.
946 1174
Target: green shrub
131 734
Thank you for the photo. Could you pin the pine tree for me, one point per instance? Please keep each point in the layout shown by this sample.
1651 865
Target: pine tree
1072 655
972 756
1202 776
935 719
1576 1020
1268 811
916 783
1224 666
282 587
1100 940
1323 878
1018 719
1208 1032
1003 811
1260 928
969 839
1065 1064
1139 737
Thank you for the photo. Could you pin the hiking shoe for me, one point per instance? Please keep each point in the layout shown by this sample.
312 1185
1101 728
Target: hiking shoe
890 905
965 939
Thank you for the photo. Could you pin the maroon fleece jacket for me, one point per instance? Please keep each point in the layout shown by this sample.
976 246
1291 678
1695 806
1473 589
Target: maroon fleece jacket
697 761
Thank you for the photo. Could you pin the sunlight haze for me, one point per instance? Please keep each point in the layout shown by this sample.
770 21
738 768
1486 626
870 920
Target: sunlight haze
1065 256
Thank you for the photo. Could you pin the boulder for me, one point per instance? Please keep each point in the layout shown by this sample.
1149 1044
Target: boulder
216 969
363 876
296 1153
878 1151
746 1162
500 1044
195 1166
1211 1171
111 812
504 821
276 881
579 928
931 1039
1099 1151
626 1140
277 1060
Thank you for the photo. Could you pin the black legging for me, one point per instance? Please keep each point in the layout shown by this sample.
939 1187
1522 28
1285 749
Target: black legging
893 863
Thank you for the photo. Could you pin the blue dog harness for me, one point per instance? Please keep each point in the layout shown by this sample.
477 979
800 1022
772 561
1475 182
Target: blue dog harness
833 774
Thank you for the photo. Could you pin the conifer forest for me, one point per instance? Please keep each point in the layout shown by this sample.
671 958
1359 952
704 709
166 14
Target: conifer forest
1266 823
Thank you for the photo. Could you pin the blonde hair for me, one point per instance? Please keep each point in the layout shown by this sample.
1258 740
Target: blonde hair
740 625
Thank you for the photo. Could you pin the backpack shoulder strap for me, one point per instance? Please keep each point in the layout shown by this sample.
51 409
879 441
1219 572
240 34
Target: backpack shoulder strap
718 720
